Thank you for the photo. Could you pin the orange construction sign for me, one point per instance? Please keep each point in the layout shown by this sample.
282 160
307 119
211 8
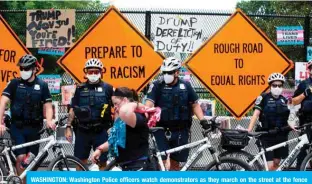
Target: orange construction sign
128 57
234 64
11 50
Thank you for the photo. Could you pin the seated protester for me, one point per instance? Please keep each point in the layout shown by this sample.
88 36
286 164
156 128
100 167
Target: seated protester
128 139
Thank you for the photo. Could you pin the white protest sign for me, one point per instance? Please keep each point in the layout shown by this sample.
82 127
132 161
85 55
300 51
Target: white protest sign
173 33
301 72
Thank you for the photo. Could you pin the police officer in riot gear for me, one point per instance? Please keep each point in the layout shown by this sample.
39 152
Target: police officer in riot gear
272 110
28 96
178 101
91 105
303 96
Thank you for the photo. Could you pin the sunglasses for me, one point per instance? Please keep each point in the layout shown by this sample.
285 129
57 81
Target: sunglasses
95 72
25 68
277 85
169 73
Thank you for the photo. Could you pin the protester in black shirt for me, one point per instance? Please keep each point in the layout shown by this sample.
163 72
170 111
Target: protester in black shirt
133 155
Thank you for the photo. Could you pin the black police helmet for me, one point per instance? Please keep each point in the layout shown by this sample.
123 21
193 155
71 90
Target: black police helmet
27 60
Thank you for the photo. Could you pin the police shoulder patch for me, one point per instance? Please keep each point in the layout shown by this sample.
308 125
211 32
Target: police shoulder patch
258 100
283 101
182 86
150 88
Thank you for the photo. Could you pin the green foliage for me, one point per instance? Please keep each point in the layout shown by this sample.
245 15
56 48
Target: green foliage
83 21
269 24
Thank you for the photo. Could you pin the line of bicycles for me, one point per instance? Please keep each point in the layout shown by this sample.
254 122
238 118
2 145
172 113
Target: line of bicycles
233 159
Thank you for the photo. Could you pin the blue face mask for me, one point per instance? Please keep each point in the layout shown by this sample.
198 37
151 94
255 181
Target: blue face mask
117 137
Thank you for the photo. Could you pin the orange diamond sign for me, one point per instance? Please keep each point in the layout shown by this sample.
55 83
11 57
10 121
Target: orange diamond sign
235 62
11 50
128 57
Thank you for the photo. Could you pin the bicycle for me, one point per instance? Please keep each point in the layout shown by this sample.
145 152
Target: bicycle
216 164
61 162
255 160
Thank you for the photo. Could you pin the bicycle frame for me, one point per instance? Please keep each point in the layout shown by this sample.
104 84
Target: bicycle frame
303 140
51 142
193 157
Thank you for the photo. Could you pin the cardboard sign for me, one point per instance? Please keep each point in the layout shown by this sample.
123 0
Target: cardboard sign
174 33
290 35
301 72
50 28
52 51
309 53
234 64
54 82
185 74
68 92
208 107
11 50
128 57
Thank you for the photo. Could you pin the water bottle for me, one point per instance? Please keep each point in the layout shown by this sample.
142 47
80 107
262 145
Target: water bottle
27 160
292 119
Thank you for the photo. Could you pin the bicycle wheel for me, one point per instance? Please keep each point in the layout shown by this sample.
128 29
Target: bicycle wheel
245 156
306 164
228 164
3 171
72 164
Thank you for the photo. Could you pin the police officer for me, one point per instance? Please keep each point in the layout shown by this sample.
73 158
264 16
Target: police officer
28 96
272 110
178 101
303 96
91 105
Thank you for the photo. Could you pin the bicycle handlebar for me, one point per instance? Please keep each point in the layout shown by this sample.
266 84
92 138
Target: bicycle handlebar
49 131
277 130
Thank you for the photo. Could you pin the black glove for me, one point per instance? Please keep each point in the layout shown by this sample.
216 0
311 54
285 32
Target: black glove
204 123
307 92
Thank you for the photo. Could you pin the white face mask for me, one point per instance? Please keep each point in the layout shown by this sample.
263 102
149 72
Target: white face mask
276 91
94 77
26 74
168 78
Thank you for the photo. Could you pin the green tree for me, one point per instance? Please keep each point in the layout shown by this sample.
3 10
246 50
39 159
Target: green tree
17 20
269 24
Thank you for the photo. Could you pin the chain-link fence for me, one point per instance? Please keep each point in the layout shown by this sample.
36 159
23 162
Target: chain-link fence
145 21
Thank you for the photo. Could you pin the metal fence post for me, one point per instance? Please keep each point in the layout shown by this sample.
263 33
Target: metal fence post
306 34
148 21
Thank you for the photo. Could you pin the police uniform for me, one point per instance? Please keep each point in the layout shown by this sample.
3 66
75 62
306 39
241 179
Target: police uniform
176 114
27 100
274 113
92 106
305 112
306 104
